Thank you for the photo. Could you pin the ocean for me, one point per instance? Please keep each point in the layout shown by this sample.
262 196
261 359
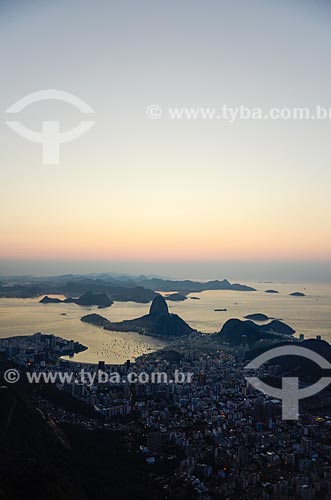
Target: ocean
310 315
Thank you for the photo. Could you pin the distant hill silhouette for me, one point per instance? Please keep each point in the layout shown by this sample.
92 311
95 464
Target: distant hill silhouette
50 300
121 288
187 286
87 299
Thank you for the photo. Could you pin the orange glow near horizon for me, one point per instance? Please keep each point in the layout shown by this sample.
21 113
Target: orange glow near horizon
190 240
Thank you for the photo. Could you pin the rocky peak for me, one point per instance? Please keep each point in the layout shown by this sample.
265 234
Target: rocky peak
159 306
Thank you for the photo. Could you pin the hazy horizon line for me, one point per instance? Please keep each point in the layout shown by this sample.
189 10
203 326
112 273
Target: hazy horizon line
281 271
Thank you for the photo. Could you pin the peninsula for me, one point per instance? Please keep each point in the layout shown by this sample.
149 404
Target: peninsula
158 322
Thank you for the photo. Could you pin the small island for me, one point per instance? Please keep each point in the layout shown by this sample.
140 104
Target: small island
271 291
176 297
297 294
257 317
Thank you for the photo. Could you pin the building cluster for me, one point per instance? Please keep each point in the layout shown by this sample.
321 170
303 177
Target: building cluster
38 350
223 438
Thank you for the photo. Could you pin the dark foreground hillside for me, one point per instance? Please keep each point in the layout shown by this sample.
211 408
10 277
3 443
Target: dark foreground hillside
40 461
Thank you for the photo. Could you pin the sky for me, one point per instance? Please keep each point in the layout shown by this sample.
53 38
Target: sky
165 194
